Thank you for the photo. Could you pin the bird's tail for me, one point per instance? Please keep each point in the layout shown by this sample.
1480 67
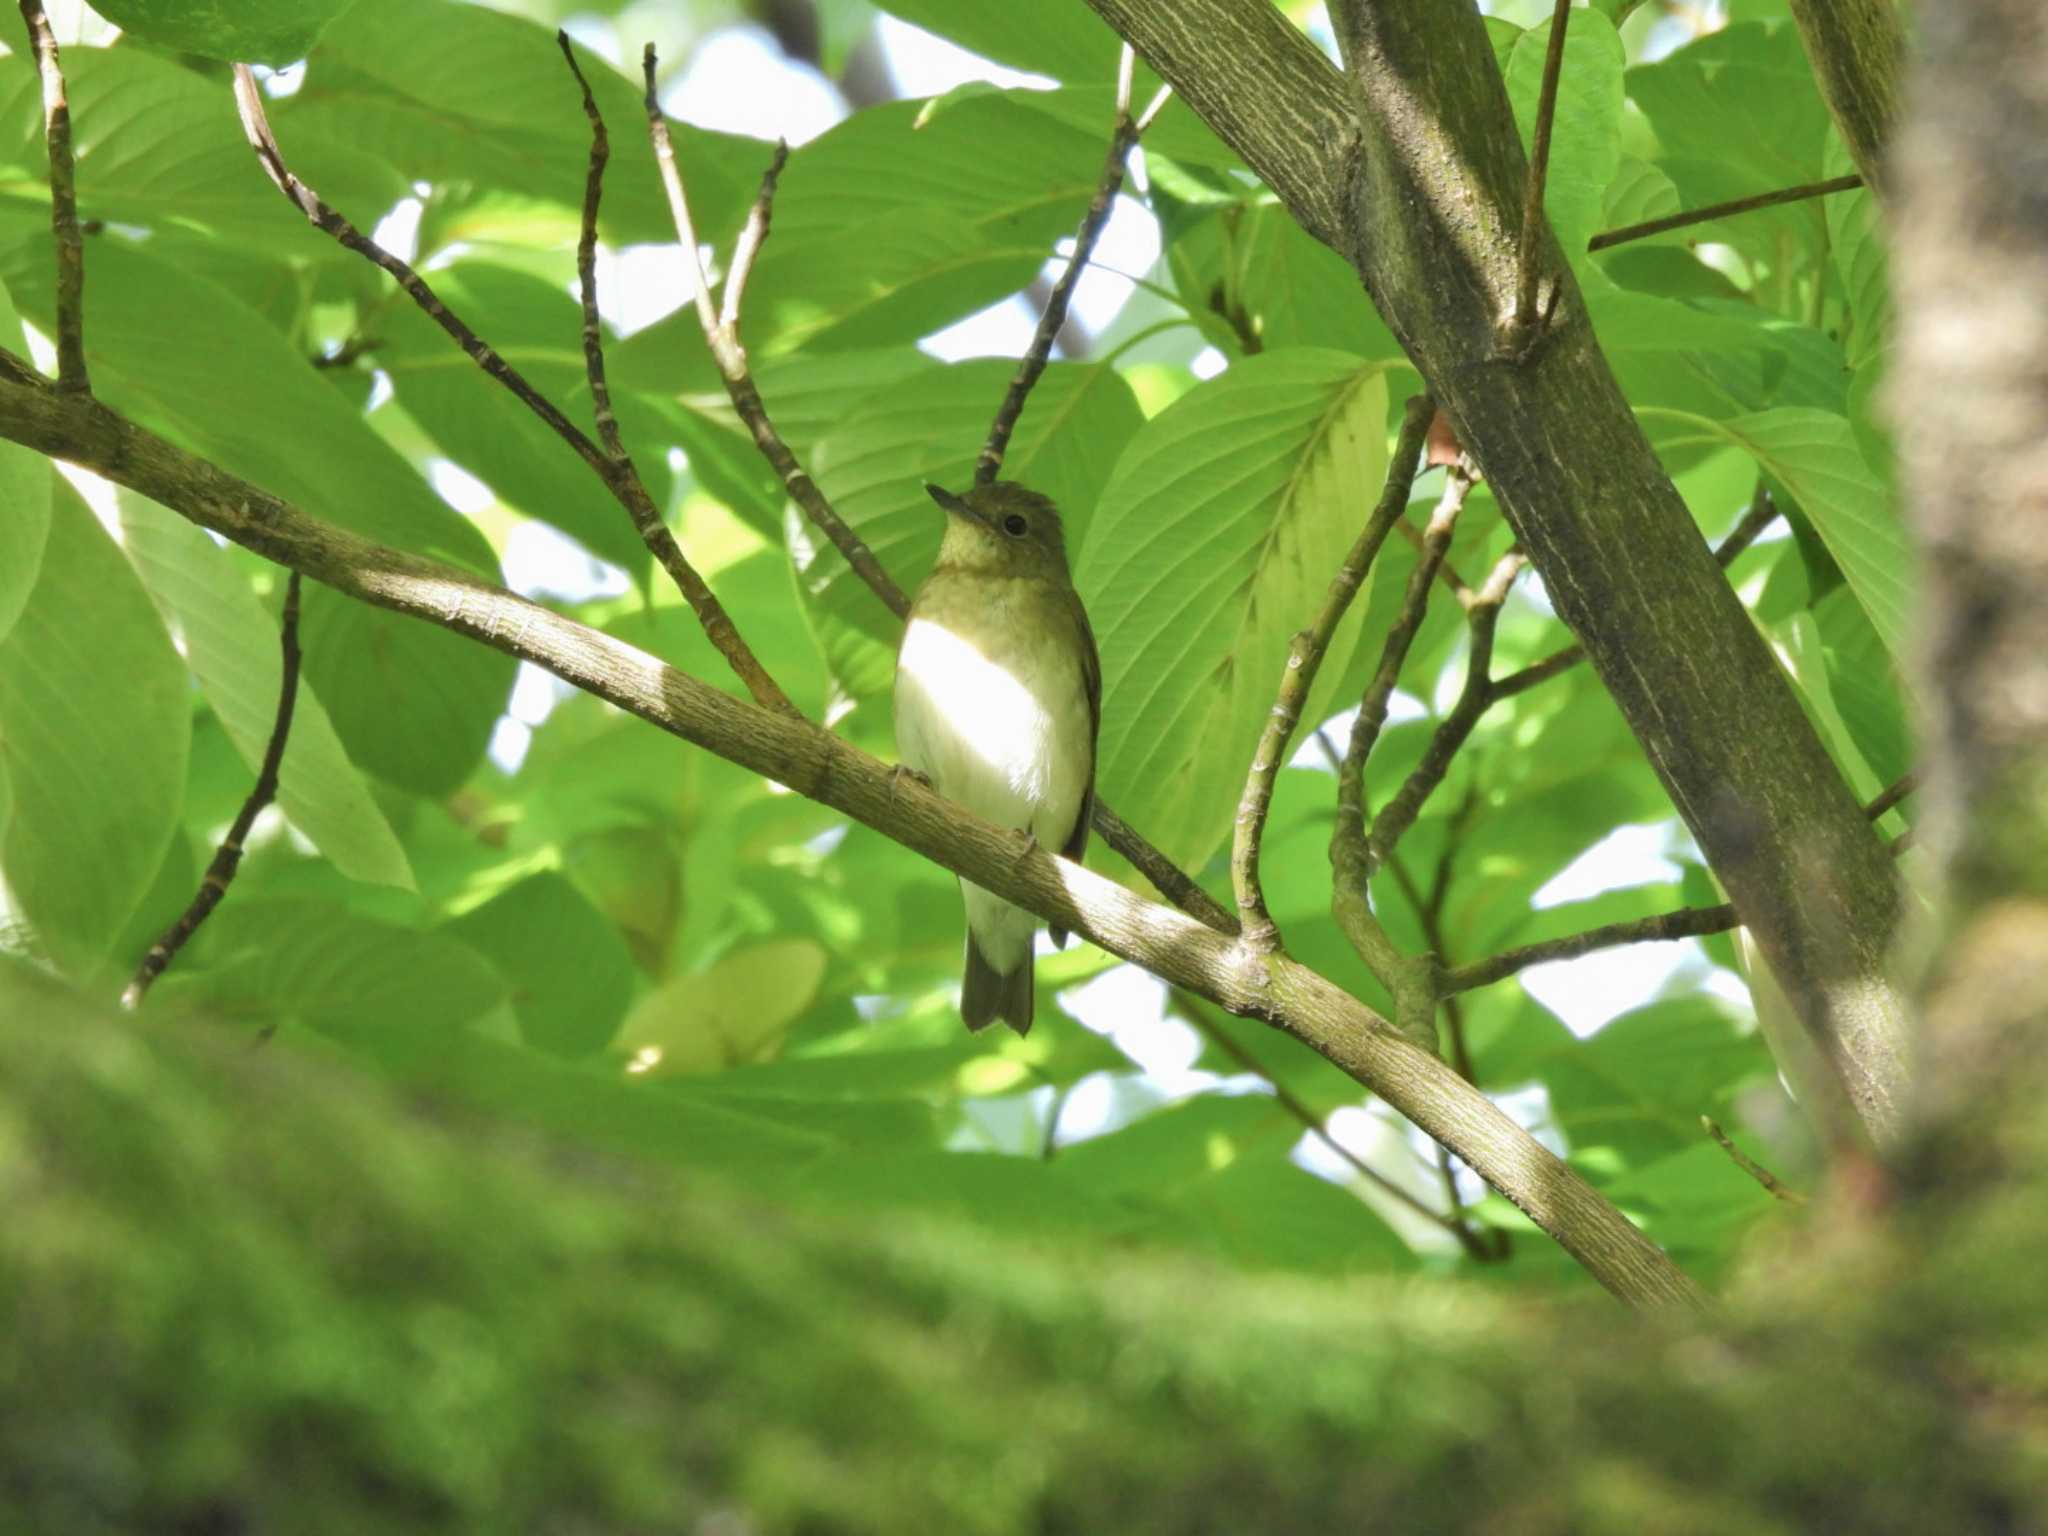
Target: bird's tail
987 995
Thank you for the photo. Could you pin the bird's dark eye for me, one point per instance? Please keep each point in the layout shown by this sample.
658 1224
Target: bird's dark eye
1014 526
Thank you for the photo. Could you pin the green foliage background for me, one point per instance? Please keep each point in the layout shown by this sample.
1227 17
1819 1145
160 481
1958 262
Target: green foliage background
648 951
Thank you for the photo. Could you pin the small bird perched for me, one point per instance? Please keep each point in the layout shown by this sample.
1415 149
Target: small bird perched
998 701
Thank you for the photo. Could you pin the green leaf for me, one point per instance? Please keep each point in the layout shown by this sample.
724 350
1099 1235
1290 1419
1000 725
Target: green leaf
1735 108
1254 280
1857 240
95 721
537 328
390 992
885 232
231 645
1813 455
25 494
1585 142
276 32
736 1011
1066 42
928 428
1214 542
570 973
412 703
479 104
158 146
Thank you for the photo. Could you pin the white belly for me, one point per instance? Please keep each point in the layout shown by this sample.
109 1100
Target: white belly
984 728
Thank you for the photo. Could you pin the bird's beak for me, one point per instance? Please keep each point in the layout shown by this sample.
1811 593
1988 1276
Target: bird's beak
951 503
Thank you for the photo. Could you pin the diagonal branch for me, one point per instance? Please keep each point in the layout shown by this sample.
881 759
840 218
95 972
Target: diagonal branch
817 764
722 334
1526 317
1608 238
71 372
227 859
618 474
1304 659
586 264
1122 139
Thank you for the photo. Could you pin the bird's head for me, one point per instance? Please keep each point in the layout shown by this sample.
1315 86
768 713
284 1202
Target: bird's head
1002 529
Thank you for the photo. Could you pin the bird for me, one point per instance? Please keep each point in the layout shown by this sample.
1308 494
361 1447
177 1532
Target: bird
998 703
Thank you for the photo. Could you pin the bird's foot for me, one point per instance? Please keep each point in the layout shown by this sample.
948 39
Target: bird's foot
901 771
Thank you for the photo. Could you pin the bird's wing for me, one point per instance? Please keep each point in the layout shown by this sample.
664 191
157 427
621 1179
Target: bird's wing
1091 679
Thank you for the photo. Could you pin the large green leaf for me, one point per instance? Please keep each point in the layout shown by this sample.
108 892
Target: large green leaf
479 103
885 231
1214 542
276 32
231 645
95 719
1813 455
25 496
537 328
928 428
569 970
1585 144
412 703
1064 41
1254 280
158 146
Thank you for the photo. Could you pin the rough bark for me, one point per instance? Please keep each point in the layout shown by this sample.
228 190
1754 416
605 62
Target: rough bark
1412 170
793 751
1856 48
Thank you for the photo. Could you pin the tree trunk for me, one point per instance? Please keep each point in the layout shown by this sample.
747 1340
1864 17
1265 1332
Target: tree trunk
1414 172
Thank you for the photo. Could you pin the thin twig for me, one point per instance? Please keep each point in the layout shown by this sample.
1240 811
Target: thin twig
1287 1100
618 474
722 335
1892 796
227 858
586 263
1122 139
71 373
1526 317
1612 237
1410 980
1751 1166
1763 511
1304 659
1482 609
1685 923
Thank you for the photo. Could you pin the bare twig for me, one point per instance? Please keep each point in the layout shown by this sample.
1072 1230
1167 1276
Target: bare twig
1763 511
1627 232
1892 795
1750 1165
1526 316
228 857
1122 139
71 372
586 263
722 334
1482 610
618 474
1196 1010
1304 659
1409 979
1685 923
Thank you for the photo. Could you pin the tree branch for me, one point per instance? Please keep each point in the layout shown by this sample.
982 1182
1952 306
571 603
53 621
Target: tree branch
1409 165
1685 923
71 370
1539 166
1856 48
617 473
1304 659
815 763
586 264
227 859
1750 1166
1608 238
1123 137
